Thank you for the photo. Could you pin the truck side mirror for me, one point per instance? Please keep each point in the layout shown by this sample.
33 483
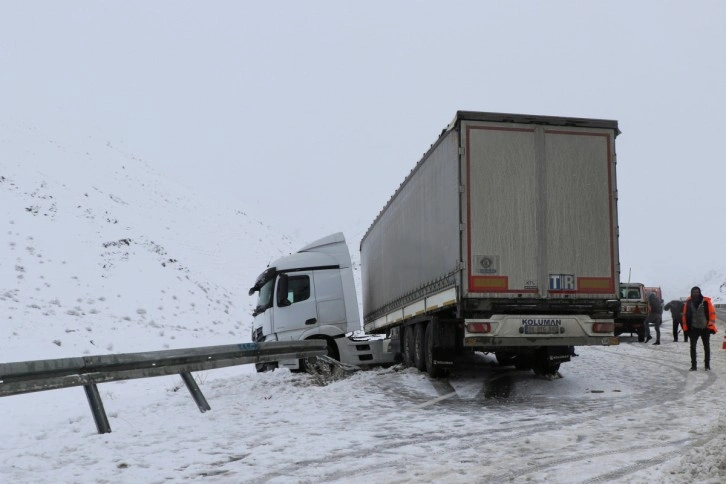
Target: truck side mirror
282 291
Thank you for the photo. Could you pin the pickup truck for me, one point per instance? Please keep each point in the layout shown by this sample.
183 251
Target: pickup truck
633 310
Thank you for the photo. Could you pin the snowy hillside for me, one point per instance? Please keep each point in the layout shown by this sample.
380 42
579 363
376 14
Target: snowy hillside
101 254
712 282
713 285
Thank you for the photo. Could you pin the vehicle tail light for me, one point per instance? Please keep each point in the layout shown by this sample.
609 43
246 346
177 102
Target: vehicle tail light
478 327
603 327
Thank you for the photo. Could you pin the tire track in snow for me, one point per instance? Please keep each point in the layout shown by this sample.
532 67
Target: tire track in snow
397 448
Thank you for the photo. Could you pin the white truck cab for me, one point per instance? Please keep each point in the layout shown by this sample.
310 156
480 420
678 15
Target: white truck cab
311 295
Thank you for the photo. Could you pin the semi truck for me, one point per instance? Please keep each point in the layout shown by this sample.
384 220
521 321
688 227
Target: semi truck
502 239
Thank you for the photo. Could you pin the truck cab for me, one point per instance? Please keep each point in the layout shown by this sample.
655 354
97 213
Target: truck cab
633 310
311 295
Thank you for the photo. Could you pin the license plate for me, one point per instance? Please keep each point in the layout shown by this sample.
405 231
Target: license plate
541 330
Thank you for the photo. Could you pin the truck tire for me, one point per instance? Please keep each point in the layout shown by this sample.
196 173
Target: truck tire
332 352
408 346
419 340
332 349
541 364
545 369
264 367
504 358
433 370
523 363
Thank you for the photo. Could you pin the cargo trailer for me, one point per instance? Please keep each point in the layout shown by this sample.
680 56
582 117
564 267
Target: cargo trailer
503 239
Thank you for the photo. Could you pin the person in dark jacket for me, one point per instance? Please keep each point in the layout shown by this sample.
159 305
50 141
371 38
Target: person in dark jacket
676 309
699 321
655 316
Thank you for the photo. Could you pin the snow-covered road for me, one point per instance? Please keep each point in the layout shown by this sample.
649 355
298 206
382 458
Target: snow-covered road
628 413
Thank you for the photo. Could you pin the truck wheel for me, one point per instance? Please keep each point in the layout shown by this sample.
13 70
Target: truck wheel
545 369
504 359
523 363
408 346
263 367
332 352
431 369
419 355
541 364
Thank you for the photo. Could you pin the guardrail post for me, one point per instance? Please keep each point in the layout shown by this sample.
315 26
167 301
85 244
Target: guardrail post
195 391
99 413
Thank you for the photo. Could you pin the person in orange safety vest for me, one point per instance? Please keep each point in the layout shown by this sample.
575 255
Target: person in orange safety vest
699 321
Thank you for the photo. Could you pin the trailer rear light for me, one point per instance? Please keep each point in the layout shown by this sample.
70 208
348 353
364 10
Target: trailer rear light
603 327
478 327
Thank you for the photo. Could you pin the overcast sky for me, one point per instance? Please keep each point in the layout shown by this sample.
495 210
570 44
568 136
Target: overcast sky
312 113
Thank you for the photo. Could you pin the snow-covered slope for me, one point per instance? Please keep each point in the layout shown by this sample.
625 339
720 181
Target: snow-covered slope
102 254
713 285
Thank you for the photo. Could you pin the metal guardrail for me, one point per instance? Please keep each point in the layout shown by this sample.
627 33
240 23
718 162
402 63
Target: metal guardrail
87 371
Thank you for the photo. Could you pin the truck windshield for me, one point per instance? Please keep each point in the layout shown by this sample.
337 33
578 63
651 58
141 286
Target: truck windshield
264 299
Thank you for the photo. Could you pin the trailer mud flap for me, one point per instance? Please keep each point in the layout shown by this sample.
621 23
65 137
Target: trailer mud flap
445 352
557 354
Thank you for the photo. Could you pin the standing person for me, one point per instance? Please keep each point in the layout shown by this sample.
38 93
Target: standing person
676 309
699 320
655 316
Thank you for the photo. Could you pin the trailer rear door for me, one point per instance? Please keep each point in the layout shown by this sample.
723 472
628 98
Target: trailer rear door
540 212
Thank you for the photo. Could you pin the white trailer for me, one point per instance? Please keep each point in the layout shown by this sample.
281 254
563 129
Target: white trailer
503 239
